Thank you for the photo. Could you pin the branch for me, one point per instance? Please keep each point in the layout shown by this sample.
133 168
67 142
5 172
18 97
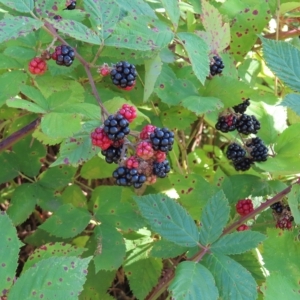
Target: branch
282 35
18 135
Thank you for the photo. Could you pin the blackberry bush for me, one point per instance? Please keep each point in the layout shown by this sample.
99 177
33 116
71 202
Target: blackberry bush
162 139
217 66
226 123
247 124
116 127
64 55
235 152
123 74
241 108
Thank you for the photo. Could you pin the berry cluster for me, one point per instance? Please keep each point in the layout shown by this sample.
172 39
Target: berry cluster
123 75
63 55
148 160
282 215
244 207
253 149
216 66
37 66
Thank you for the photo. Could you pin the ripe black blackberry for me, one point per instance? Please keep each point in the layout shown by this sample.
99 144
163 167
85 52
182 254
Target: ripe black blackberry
64 55
128 177
160 169
226 123
277 207
123 74
243 165
247 124
235 152
71 6
112 154
162 139
241 108
116 127
217 66
259 151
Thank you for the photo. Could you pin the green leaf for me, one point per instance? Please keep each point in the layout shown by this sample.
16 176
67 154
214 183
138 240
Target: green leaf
194 192
75 150
294 202
103 14
214 218
288 142
48 8
73 194
232 280
20 5
35 95
54 277
109 209
22 203
14 27
293 102
68 221
217 33
52 249
142 282
169 219
193 281
166 249
20 53
137 8
110 248
278 286
282 58
17 77
197 50
283 246
77 31
172 10
153 68
9 252
201 105
60 125
26 105
237 242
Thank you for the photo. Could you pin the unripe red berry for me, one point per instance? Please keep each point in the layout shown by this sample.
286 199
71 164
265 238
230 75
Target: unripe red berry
132 163
144 150
284 223
37 66
100 139
128 112
243 227
146 131
244 207
104 70
160 156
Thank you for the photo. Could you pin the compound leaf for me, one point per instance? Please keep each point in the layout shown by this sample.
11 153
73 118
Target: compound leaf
19 5
9 252
137 8
52 278
166 249
173 11
169 219
193 281
214 218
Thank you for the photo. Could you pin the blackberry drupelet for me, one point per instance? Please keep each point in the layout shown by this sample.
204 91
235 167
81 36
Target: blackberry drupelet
71 6
124 74
162 139
112 154
247 124
241 108
160 169
64 55
243 165
128 177
217 66
226 123
116 127
277 207
259 151
235 152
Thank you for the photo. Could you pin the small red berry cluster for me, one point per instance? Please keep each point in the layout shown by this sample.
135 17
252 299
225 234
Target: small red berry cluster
140 161
283 216
243 208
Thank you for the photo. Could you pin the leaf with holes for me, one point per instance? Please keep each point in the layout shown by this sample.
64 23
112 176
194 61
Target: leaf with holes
109 248
233 281
137 8
9 251
103 14
214 218
14 27
54 278
50 250
193 281
169 219
49 8
67 221
217 33
197 51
